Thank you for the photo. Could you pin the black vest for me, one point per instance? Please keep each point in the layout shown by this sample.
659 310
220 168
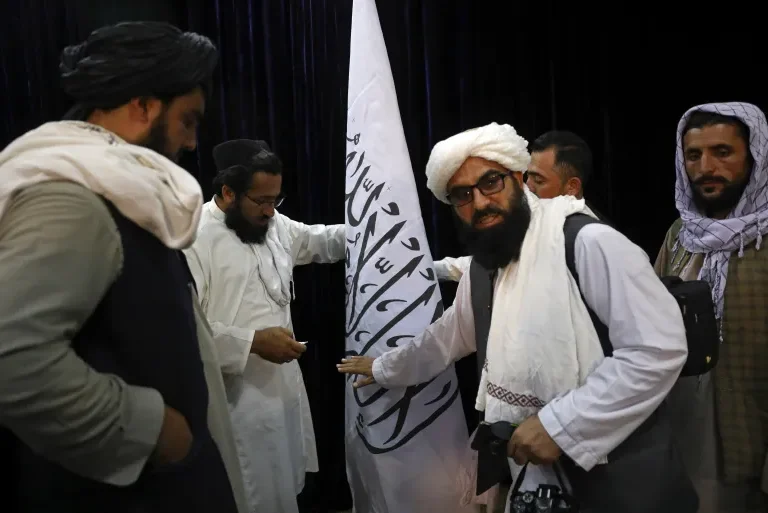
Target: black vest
143 331
645 473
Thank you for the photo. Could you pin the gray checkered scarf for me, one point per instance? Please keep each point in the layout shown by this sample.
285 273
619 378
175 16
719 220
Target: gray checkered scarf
748 222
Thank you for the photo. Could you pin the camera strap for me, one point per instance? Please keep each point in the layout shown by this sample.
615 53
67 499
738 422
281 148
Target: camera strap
518 480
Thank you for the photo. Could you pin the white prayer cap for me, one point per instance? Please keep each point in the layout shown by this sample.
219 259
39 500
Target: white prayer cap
498 143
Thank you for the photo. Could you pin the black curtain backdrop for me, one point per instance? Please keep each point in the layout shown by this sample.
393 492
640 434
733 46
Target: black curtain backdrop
456 64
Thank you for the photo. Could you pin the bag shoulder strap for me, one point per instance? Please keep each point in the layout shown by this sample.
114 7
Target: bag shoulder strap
573 224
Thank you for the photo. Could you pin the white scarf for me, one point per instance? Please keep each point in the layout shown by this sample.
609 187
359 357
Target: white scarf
144 186
542 342
277 278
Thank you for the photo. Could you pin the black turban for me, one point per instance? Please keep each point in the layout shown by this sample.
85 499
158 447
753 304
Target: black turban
135 59
238 152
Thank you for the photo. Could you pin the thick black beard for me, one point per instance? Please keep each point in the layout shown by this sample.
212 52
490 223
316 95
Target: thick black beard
727 200
246 231
157 139
498 245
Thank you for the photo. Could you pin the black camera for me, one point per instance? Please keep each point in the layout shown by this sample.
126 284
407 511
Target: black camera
490 442
547 499
493 467
493 438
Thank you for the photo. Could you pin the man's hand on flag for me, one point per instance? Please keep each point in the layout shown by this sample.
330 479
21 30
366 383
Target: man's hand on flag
359 365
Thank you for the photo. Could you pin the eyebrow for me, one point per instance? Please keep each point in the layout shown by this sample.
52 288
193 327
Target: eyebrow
490 172
484 175
716 146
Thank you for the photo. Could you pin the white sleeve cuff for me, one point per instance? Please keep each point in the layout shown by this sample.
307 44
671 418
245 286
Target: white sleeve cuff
142 420
378 371
441 270
233 347
239 366
575 449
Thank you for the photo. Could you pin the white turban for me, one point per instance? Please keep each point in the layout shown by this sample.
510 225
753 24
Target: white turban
498 143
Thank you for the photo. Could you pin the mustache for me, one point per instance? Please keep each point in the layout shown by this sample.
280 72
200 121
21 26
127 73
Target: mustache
487 211
704 180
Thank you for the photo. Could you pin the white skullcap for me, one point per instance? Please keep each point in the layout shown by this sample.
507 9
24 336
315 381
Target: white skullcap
498 143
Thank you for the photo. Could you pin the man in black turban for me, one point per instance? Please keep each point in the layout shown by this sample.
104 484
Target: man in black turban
110 392
146 81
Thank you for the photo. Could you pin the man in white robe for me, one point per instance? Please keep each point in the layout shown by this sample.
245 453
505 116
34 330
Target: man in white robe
544 369
242 262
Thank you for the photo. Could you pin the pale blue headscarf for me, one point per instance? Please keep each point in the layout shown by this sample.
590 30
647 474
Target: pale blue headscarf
719 238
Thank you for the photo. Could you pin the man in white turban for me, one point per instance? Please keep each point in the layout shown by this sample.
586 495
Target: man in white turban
583 397
561 164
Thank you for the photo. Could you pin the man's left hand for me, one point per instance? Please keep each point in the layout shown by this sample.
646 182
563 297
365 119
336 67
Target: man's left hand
531 443
359 365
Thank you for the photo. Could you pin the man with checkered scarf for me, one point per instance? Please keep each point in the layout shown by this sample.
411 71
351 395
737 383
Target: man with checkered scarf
721 418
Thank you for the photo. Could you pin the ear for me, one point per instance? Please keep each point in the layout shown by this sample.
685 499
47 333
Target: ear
228 194
572 187
145 110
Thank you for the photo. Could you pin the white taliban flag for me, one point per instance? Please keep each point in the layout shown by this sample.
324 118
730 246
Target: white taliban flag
404 446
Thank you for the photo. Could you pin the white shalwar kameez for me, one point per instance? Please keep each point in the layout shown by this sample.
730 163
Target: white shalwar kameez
248 287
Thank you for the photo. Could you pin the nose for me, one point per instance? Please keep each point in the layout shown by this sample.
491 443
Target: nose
479 201
269 209
191 143
706 164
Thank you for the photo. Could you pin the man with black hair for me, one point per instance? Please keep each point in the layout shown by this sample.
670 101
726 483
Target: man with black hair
561 164
108 379
721 193
243 263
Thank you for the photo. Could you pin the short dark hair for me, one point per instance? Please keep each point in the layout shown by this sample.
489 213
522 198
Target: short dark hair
701 119
573 158
239 177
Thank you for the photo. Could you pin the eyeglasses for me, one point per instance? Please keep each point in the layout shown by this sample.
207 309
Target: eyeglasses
490 183
267 202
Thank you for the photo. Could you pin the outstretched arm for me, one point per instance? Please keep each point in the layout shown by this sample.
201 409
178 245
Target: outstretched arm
448 339
317 243
452 269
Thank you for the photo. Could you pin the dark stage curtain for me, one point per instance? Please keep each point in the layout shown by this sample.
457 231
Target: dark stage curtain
457 64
